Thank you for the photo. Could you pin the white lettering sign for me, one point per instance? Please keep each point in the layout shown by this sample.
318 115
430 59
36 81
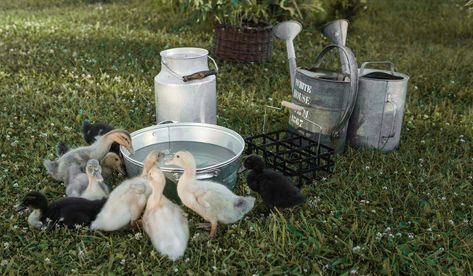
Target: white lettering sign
303 86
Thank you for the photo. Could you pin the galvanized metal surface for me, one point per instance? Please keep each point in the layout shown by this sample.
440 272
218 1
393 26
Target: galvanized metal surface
337 31
377 118
191 101
225 172
287 31
328 99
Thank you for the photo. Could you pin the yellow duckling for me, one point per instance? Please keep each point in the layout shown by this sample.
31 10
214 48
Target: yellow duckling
164 222
58 168
212 201
127 201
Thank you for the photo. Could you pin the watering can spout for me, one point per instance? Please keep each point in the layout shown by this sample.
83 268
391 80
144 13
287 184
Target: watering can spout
287 31
336 31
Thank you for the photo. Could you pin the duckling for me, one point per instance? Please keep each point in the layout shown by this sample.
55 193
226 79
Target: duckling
127 200
91 131
212 201
58 168
96 188
110 164
164 221
275 189
68 211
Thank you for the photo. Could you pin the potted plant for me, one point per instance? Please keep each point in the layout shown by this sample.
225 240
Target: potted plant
243 28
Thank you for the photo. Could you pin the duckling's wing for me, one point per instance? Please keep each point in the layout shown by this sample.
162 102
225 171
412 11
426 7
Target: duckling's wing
104 187
139 188
202 197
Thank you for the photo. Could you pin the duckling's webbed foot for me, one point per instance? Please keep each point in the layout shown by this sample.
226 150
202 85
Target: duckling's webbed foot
213 230
205 225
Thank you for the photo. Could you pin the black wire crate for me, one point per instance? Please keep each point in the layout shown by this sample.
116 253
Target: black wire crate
293 154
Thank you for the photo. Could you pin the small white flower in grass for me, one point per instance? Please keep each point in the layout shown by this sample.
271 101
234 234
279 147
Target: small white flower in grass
398 234
451 222
214 267
410 235
422 141
444 198
385 188
123 261
6 245
138 236
426 116
367 167
373 211
465 221
186 260
379 236
47 261
353 272
74 270
4 263
176 269
356 249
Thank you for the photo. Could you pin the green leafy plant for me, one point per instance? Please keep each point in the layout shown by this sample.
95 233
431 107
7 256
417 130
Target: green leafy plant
250 12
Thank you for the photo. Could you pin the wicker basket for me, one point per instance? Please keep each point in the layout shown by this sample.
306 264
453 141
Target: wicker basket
244 44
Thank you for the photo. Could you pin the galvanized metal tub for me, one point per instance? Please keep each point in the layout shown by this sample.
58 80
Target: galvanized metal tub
181 97
327 98
224 172
377 118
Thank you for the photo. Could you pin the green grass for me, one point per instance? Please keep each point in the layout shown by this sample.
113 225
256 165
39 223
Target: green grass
409 211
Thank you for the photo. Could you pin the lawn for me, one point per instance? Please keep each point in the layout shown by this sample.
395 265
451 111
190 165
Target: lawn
410 211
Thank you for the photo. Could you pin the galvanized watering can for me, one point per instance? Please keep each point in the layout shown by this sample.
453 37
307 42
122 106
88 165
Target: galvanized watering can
326 97
377 118
185 88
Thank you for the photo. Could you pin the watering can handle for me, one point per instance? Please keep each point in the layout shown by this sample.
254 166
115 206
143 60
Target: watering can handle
353 68
391 65
194 76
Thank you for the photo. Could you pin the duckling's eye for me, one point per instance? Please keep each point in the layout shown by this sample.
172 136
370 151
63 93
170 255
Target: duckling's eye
177 156
116 159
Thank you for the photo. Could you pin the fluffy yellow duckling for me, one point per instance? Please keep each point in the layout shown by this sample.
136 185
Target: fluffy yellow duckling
127 201
58 168
212 201
164 222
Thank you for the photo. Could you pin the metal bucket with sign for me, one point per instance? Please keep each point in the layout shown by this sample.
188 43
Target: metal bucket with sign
327 98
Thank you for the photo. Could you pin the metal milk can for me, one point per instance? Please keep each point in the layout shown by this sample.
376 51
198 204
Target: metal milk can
377 118
185 88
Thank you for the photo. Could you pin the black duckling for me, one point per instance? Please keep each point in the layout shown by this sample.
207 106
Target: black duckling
90 131
275 189
68 211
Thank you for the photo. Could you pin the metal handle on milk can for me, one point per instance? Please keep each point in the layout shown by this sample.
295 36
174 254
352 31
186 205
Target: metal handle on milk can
353 67
194 76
